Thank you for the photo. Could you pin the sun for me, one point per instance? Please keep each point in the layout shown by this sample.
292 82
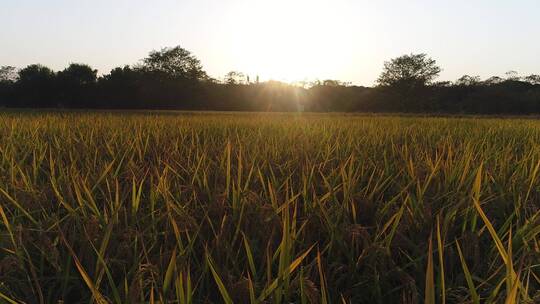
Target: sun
286 40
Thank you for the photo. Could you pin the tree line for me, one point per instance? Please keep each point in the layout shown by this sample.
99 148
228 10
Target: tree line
173 78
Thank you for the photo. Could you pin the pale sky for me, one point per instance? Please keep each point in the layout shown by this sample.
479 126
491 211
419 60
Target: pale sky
281 39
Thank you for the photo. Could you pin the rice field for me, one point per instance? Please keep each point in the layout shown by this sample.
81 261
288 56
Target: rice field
268 208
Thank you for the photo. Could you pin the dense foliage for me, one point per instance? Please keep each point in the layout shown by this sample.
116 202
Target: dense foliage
268 208
173 78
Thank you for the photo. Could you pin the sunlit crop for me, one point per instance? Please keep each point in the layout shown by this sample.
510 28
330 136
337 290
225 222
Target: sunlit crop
268 208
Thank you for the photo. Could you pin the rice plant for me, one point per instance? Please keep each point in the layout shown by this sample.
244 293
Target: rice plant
150 207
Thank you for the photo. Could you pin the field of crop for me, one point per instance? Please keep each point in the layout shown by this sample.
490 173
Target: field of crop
268 208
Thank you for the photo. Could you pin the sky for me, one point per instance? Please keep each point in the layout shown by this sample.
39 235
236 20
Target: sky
288 40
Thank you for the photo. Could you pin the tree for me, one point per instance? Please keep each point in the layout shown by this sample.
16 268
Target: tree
512 76
121 87
174 63
77 74
122 76
8 74
409 71
467 80
533 79
35 74
75 84
332 83
493 80
406 81
35 86
234 77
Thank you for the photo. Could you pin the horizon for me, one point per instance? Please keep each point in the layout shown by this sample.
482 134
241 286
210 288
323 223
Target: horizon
302 40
